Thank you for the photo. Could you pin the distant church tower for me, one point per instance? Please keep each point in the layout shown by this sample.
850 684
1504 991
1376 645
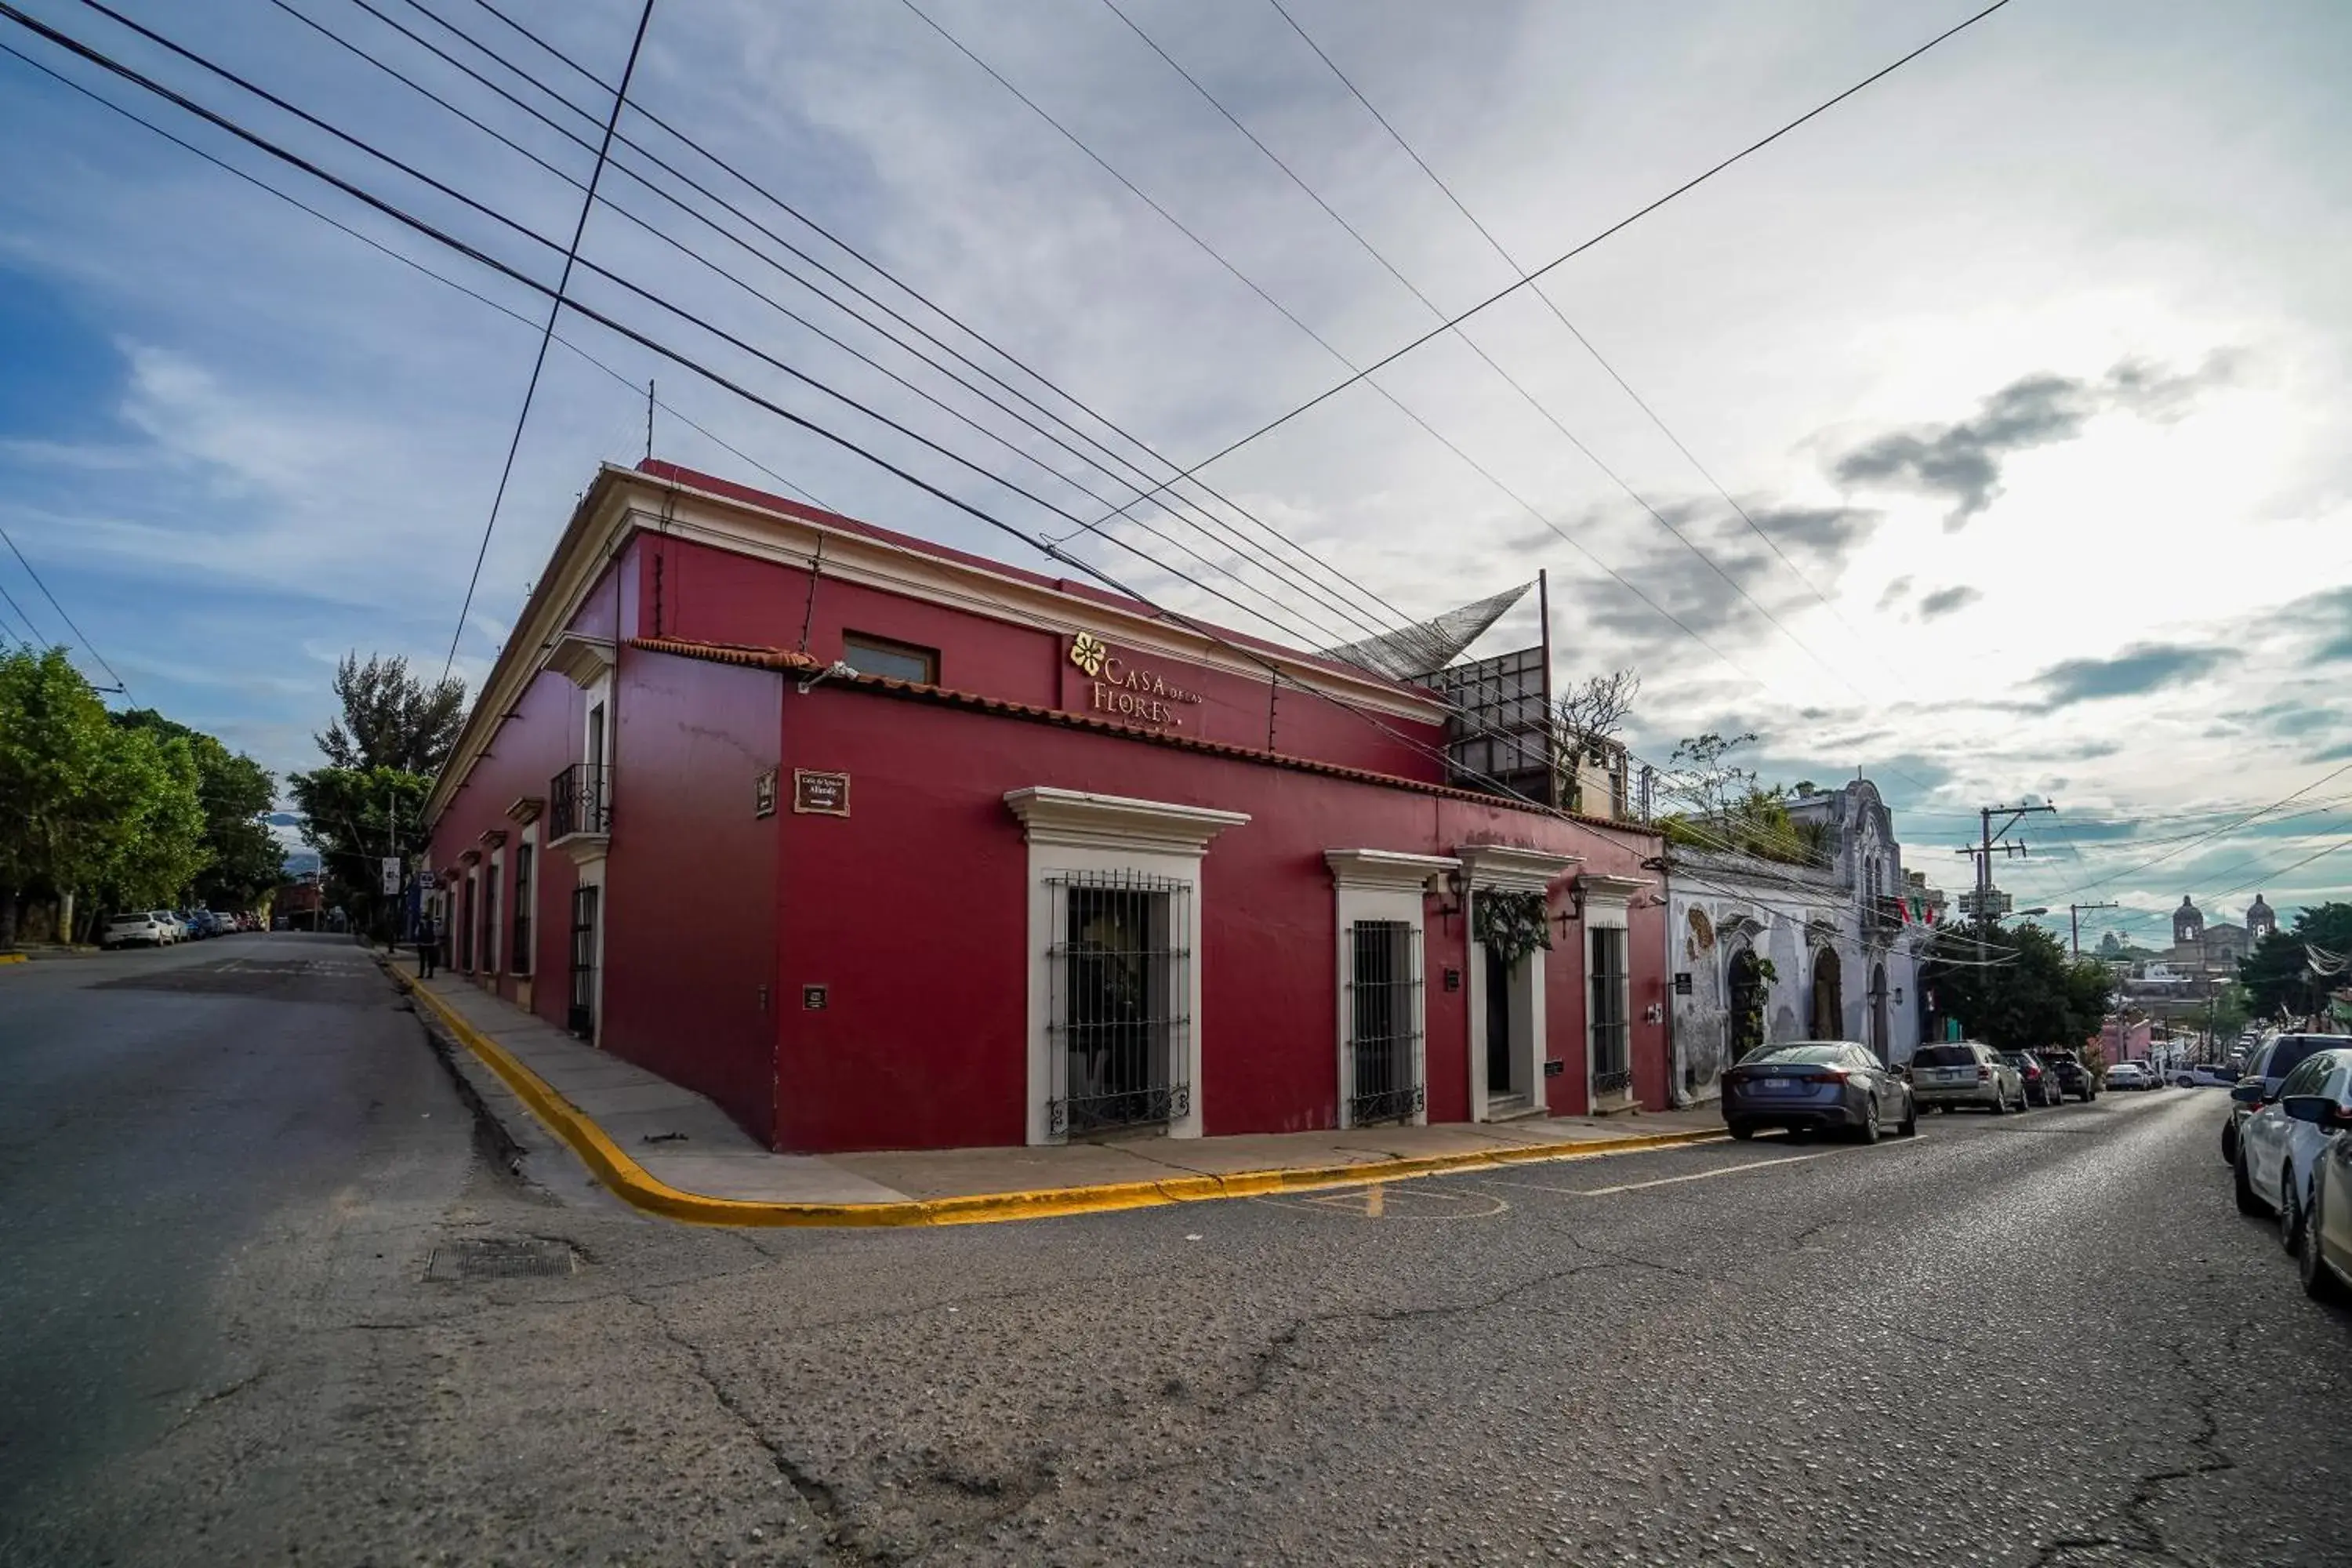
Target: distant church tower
2260 920
2187 925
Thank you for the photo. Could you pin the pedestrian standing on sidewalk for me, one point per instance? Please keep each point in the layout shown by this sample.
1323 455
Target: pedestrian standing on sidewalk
428 945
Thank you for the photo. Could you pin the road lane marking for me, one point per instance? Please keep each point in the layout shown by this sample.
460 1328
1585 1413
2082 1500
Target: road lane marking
1664 1181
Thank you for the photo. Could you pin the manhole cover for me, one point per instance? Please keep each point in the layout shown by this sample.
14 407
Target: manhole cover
498 1257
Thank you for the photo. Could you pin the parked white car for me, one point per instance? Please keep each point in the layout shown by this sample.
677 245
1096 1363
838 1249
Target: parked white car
2281 1146
2204 1074
154 928
2129 1075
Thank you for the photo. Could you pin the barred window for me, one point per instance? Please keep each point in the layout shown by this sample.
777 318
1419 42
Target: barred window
525 853
1612 1070
1117 1027
1384 1021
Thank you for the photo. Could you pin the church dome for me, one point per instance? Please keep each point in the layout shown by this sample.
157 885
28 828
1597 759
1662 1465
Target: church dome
2188 924
2260 918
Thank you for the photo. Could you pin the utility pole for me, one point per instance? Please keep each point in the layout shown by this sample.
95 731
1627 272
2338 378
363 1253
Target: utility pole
649 419
2074 921
1982 851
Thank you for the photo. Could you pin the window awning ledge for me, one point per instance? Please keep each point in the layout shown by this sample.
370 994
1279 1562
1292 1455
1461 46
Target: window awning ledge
1080 820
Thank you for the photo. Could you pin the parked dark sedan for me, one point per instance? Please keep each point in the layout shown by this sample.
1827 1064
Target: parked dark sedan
2040 1082
2073 1077
1807 1085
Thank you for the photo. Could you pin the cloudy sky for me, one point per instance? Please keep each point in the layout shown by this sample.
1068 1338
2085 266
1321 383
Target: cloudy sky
2026 368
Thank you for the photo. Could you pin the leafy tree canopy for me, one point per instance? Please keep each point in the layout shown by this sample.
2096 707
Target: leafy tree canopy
1729 809
243 857
2035 996
90 809
2277 974
392 719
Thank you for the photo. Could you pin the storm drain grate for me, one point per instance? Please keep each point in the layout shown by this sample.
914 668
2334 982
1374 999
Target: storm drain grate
501 1257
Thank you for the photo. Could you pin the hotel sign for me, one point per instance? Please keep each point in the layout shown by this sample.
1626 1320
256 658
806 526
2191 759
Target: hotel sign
1119 688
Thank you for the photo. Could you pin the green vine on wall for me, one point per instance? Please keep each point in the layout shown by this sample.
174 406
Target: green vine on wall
1513 924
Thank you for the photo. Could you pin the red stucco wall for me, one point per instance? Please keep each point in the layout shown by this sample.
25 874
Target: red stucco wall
913 913
706 594
689 884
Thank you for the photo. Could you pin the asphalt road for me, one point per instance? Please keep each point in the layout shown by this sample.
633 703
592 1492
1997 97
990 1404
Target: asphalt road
2036 1340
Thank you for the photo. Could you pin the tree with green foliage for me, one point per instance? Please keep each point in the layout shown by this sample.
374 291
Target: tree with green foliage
1731 811
383 751
91 808
243 859
2031 996
392 719
2277 974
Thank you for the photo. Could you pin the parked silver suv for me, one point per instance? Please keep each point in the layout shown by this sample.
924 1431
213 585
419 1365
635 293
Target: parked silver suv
1965 1073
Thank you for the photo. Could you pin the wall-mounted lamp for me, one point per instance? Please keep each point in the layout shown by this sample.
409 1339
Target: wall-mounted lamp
838 669
1575 911
1453 889
1898 995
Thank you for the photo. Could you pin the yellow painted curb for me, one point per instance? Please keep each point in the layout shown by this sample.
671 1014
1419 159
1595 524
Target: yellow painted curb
12 958
636 1185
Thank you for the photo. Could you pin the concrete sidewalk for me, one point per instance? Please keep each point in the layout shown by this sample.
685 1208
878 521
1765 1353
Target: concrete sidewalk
669 1150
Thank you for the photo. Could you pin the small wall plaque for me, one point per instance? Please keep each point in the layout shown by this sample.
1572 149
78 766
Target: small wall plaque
820 793
763 795
1454 980
813 998
1554 1067
1682 983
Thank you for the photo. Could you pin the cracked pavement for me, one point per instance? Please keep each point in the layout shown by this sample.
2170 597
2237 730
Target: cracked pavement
2038 1339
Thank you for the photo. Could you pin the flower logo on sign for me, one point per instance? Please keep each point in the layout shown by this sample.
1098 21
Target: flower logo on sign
1088 652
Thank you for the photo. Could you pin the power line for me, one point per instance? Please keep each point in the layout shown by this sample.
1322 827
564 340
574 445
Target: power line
414 265
554 309
1150 490
33 639
717 378
1473 463
2215 833
60 609
245 134
1557 313
1276 620
1509 380
1622 224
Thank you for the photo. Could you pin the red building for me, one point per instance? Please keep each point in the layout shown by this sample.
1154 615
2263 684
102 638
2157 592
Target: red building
880 845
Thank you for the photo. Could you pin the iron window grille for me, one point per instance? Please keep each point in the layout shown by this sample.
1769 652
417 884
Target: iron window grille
1118 1031
490 918
581 1017
1612 1065
519 961
1384 980
580 800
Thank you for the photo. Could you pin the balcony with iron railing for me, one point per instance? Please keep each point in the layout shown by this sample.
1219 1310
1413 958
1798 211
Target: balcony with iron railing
1883 916
579 809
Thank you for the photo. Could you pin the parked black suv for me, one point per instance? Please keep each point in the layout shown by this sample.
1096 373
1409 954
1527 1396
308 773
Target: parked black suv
2072 1076
2040 1083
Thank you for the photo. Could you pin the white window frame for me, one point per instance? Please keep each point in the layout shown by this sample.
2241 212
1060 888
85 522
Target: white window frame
1501 867
1608 905
1382 885
537 872
493 910
1074 831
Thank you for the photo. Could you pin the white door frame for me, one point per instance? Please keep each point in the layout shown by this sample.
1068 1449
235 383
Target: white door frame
1501 868
1071 830
1382 885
